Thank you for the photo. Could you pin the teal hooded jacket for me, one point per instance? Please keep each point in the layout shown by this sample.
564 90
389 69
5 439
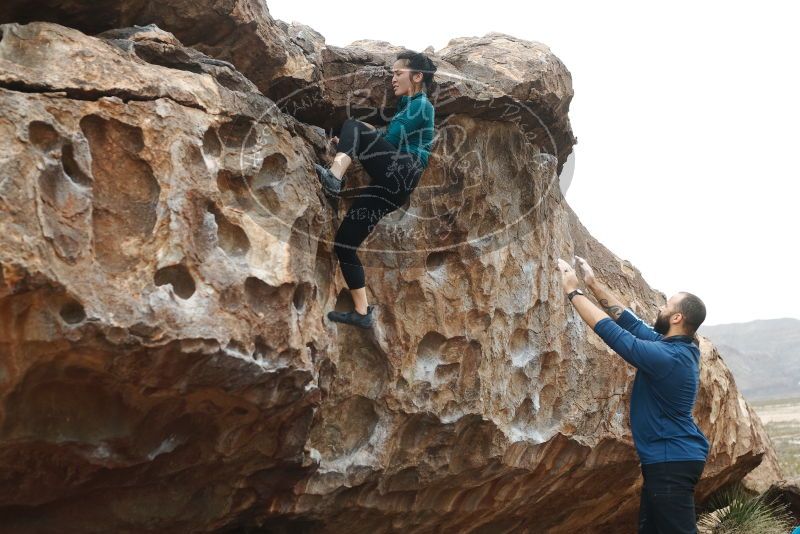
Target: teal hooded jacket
411 128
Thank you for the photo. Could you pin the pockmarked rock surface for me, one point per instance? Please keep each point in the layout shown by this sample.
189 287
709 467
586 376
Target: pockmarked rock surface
166 256
242 32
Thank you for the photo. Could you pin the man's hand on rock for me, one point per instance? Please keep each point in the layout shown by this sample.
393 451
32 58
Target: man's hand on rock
569 280
588 273
334 140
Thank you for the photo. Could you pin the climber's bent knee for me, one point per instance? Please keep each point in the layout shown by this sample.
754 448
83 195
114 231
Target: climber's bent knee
344 253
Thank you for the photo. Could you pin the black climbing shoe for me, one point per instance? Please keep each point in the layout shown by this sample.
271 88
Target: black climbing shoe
354 318
331 185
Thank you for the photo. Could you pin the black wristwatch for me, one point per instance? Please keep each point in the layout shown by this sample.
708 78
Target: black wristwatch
573 293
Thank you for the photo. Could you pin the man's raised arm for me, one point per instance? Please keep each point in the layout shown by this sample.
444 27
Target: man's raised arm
607 300
612 305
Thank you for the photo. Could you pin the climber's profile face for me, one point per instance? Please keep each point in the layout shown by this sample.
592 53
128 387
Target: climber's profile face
669 314
403 81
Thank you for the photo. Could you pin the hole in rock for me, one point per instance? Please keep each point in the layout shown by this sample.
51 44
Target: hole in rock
301 293
157 57
430 344
439 258
521 347
419 432
71 167
211 144
260 295
262 349
525 414
180 278
143 329
230 298
234 188
238 133
125 191
72 312
429 356
43 136
53 187
231 237
268 200
273 170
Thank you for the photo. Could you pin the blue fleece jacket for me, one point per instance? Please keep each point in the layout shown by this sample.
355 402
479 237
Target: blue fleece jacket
664 390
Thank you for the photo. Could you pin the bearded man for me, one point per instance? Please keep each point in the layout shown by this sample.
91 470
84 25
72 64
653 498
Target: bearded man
672 449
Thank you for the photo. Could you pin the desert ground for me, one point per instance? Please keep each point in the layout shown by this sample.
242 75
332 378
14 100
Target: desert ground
782 421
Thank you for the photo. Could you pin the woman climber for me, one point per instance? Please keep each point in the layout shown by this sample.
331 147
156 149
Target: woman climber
394 158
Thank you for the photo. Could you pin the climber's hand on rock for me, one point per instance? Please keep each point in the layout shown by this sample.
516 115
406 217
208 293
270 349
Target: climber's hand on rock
568 277
588 273
334 140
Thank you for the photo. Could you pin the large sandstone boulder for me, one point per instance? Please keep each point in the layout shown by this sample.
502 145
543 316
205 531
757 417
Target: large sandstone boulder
166 266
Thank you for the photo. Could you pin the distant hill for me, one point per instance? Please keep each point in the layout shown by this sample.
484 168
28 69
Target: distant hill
763 355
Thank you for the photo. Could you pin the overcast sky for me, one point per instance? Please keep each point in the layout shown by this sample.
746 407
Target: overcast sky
686 115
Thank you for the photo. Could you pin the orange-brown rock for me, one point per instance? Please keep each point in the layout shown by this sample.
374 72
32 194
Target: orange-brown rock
166 262
239 31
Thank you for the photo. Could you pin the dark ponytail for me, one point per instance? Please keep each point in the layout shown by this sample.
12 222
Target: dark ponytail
419 62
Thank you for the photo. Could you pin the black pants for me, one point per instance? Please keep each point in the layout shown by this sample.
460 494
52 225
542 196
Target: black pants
667 501
394 176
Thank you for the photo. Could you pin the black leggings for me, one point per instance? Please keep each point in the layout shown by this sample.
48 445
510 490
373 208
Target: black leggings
394 176
667 500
